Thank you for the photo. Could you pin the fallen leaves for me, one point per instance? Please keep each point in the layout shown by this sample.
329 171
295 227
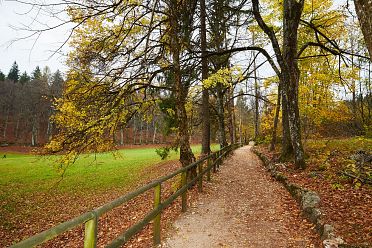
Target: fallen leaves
347 208
50 210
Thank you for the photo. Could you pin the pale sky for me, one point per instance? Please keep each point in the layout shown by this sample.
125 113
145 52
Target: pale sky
27 54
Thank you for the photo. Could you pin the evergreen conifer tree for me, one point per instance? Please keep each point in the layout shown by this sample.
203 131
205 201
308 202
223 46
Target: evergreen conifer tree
36 74
13 74
24 78
2 76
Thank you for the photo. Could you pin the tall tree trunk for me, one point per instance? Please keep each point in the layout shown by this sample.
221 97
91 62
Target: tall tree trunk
369 91
180 19
6 123
206 130
181 91
16 132
256 109
48 133
353 90
186 155
276 119
34 132
234 120
121 135
154 136
291 75
287 148
147 132
256 95
240 127
49 130
221 117
134 130
140 130
231 117
361 100
364 12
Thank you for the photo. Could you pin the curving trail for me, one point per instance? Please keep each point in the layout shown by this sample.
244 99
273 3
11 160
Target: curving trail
242 207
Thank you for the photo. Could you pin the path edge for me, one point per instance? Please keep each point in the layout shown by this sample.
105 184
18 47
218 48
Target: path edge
308 202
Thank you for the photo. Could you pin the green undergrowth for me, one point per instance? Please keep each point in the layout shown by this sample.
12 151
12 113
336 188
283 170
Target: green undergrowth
324 151
334 159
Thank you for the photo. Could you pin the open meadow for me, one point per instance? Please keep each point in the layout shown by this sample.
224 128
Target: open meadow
33 194
288 82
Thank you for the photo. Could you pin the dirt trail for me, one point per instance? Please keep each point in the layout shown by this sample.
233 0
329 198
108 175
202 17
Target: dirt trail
242 207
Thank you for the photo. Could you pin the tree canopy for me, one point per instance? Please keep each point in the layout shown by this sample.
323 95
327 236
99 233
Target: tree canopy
193 59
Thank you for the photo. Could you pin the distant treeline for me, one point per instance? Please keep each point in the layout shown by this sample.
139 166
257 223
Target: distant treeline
26 105
26 108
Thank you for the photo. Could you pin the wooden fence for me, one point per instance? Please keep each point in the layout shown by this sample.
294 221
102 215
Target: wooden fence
90 219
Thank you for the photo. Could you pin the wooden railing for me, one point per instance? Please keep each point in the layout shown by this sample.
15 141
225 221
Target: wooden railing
90 219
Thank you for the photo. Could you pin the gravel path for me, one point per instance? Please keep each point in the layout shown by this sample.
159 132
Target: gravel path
242 207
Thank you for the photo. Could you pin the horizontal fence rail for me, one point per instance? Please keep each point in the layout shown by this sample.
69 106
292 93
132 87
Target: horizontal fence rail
90 219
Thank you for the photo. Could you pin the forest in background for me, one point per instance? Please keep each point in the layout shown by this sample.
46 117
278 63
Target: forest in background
294 75
220 70
27 107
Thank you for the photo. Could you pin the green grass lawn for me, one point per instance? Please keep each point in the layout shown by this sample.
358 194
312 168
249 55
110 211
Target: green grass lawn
33 194
26 174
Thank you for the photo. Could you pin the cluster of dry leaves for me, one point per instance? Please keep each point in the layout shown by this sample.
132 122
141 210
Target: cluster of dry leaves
43 211
244 207
346 207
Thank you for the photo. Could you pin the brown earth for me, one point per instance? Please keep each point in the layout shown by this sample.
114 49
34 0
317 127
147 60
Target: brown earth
16 149
30 149
56 208
243 207
346 207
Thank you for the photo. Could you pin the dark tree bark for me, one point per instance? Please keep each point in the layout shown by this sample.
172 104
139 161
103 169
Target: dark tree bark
256 94
5 128
154 136
121 135
276 118
147 132
369 99
186 154
218 32
353 90
34 131
206 133
134 129
179 19
140 130
221 116
287 148
289 74
49 131
231 117
256 106
364 12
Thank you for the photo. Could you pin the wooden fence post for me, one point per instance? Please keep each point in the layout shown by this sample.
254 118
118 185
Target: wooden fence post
184 194
90 233
157 228
200 181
